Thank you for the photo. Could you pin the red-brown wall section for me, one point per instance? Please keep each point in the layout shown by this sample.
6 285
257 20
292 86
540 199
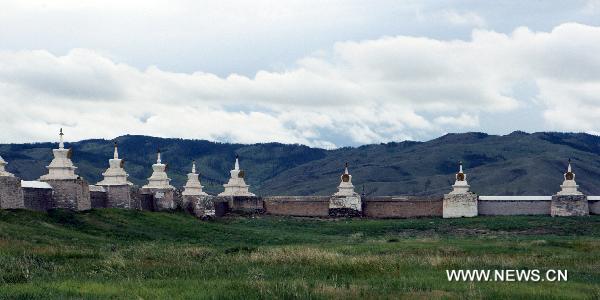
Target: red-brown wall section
373 207
402 207
300 206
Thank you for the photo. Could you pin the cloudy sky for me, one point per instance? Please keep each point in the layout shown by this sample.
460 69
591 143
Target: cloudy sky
321 73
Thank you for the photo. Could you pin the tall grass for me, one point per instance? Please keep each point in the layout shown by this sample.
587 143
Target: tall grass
129 254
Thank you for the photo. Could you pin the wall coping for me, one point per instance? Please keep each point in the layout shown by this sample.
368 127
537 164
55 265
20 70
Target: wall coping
296 198
515 198
97 188
527 198
403 199
35 185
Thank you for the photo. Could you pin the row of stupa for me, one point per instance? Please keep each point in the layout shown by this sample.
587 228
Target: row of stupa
70 191
236 186
568 187
62 168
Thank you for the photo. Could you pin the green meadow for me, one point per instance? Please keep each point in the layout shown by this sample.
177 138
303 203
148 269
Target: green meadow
112 253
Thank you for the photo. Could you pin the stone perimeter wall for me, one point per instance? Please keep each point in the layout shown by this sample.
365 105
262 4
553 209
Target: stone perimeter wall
300 206
70 194
309 206
11 193
409 206
37 199
98 199
594 206
402 207
373 207
513 207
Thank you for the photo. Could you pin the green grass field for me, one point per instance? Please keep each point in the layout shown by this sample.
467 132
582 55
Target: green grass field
130 254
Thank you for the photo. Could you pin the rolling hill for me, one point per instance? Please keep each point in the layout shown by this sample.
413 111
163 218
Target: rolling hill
515 164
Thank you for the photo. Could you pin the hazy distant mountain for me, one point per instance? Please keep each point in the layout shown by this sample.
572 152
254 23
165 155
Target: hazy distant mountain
514 164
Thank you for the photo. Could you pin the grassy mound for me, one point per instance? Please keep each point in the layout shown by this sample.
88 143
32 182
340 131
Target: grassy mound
114 253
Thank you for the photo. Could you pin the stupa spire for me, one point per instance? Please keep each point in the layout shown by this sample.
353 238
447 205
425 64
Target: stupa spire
236 186
61 167
346 202
61 144
460 202
115 174
116 153
569 186
193 187
569 201
346 188
460 185
159 178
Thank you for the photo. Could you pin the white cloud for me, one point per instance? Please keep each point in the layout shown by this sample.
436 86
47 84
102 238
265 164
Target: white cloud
385 89
591 7
463 18
464 121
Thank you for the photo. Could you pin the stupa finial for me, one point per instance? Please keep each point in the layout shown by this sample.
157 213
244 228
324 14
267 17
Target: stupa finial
61 144
116 154
346 168
158 161
460 166
569 167
194 166
237 162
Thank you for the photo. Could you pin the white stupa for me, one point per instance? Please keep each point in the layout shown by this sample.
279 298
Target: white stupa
460 185
159 178
3 172
346 188
61 167
236 185
115 174
569 186
192 186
